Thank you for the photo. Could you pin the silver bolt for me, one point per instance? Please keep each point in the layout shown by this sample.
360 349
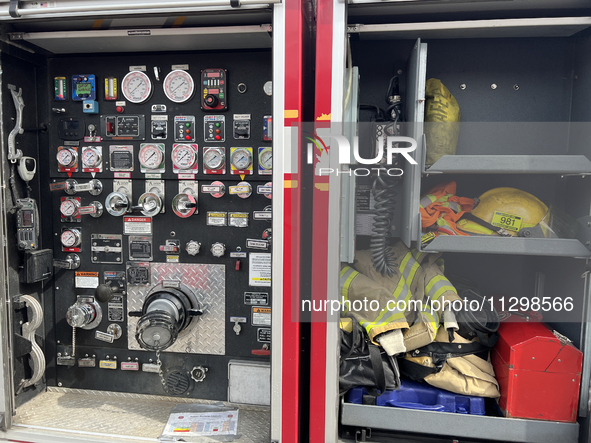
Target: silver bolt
58 342
515 375
59 384
93 356
107 357
493 86
463 86
399 71
533 358
150 360
86 355
559 360
516 87
59 354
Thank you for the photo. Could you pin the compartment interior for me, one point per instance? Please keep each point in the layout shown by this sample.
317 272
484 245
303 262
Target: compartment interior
522 97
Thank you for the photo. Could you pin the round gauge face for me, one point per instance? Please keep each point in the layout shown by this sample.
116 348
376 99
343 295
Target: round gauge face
91 158
70 238
241 159
266 158
136 87
179 86
184 156
69 208
151 157
213 159
67 157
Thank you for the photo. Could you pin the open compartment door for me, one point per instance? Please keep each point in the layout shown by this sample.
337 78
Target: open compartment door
415 112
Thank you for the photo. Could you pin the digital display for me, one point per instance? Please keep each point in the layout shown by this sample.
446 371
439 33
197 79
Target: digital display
27 219
214 91
71 124
213 74
83 88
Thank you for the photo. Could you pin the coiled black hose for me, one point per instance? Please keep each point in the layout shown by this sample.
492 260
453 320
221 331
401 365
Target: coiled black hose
384 195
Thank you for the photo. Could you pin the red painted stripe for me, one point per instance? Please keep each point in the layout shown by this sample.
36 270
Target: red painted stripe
324 18
291 408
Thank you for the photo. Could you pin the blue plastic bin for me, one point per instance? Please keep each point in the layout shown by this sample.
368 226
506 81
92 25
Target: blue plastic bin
413 395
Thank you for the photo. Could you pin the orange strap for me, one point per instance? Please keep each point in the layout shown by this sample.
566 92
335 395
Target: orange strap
435 211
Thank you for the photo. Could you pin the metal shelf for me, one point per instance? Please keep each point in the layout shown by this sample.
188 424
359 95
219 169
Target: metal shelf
550 247
511 164
458 425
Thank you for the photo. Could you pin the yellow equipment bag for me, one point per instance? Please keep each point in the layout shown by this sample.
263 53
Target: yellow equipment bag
462 367
442 121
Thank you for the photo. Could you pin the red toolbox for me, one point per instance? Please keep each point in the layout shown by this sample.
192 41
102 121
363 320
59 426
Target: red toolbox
539 373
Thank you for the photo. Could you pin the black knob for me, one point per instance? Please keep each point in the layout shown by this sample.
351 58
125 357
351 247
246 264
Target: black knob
103 293
211 100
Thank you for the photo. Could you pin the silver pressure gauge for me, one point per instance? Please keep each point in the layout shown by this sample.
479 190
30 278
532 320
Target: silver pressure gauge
67 157
184 156
71 238
91 158
151 156
241 159
266 159
213 158
136 87
69 207
179 86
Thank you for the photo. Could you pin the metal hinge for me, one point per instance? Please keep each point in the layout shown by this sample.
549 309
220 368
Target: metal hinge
353 29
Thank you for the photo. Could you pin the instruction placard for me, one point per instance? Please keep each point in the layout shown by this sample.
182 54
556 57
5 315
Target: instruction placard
259 269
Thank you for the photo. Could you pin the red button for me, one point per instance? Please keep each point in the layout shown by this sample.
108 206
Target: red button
217 137
187 137
119 109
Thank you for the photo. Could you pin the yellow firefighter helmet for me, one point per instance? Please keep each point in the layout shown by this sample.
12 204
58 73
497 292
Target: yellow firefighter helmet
517 212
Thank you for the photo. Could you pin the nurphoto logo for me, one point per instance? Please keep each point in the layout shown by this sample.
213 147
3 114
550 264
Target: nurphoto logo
395 145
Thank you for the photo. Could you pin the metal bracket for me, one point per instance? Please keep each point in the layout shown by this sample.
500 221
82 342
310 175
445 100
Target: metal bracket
13 153
235 3
13 8
584 233
364 433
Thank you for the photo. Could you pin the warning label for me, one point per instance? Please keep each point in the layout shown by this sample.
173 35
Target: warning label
89 280
261 316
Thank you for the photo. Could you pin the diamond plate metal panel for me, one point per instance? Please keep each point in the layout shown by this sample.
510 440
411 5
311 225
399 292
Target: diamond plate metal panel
126 416
208 282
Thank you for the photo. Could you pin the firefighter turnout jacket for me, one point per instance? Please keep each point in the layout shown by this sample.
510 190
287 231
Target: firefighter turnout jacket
413 299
